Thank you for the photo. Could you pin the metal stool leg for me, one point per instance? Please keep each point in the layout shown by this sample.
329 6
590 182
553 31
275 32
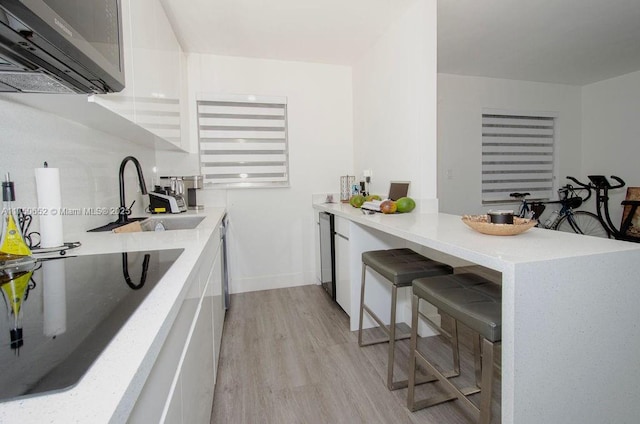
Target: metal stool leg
412 353
455 348
487 380
392 338
477 358
364 271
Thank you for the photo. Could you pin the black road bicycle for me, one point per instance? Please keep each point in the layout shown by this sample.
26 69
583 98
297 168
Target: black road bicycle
566 218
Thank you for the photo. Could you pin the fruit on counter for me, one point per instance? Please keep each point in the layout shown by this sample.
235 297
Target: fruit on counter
405 204
372 197
356 200
388 206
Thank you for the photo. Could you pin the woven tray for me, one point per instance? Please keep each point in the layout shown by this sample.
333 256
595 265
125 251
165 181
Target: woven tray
481 224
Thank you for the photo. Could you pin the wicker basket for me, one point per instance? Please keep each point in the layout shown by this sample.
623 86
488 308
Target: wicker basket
481 224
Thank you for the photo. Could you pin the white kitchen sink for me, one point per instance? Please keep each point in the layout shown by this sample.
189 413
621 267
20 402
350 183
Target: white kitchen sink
171 223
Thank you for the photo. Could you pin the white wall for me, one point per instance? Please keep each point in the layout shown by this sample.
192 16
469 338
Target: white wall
272 239
611 133
461 100
394 86
89 161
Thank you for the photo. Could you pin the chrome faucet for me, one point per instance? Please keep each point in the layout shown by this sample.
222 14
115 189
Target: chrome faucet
124 212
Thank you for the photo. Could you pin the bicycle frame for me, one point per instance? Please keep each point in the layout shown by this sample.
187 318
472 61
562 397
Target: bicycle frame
601 185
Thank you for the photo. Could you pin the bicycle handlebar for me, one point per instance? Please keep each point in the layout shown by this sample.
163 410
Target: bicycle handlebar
590 185
620 181
587 186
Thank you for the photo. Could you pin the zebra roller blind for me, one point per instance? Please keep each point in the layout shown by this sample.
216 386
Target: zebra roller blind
243 141
517 156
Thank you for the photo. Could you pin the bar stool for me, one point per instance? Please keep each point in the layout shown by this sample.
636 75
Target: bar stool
475 302
399 267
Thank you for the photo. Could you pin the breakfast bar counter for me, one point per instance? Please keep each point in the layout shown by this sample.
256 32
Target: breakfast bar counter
570 339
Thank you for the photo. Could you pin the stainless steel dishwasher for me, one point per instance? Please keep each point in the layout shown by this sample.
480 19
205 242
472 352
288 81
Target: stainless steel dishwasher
224 227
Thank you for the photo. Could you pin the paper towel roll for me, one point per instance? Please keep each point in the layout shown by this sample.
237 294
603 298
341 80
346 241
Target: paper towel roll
54 297
49 204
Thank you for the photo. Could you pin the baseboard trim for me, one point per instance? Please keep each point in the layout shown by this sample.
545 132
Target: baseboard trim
269 282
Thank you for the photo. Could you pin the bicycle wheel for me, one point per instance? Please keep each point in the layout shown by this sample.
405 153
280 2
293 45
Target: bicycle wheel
583 222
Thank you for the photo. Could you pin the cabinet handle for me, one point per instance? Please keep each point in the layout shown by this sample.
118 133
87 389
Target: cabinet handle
341 236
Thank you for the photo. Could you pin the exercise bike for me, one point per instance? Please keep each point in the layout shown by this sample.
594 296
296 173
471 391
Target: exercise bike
601 186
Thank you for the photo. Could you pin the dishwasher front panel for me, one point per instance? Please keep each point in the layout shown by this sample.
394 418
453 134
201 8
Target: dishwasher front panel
327 253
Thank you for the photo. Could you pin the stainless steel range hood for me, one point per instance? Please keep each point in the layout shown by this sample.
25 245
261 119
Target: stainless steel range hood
42 52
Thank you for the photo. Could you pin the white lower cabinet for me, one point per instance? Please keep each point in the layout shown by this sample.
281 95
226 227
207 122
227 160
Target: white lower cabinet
218 307
343 285
173 411
179 389
197 374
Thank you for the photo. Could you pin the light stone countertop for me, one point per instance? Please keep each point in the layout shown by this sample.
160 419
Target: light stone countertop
110 387
448 234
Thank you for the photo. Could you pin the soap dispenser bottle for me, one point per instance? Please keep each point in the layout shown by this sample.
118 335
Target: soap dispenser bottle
12 244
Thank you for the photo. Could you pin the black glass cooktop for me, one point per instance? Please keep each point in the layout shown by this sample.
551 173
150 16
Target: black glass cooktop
59 315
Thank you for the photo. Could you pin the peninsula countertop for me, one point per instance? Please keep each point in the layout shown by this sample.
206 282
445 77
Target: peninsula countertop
108 390
448 234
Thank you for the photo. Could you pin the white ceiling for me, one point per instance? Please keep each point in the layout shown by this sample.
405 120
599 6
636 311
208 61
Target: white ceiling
562 41
325 31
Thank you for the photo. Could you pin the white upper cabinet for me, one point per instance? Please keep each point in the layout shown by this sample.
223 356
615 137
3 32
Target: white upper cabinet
122 103
153 96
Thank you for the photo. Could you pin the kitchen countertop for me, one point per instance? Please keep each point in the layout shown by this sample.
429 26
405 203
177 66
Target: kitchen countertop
447 233
108 390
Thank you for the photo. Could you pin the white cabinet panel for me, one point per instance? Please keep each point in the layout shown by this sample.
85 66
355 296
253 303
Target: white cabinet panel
153 96
180 386
197 369
343 286
173 413
152 399
217 300
341 226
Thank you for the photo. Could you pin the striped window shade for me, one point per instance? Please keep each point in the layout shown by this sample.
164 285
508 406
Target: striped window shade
243 140
517 156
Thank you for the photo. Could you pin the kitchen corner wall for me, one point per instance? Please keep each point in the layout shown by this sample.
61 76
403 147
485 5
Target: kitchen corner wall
395 105
88 160
611 133
272 229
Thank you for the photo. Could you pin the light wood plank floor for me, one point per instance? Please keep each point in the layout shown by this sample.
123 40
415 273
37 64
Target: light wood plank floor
288 356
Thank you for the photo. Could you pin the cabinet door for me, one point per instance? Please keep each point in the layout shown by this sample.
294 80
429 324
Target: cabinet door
122 103
156 69
157 390
173 412
217 299
154 92
197 369
343 286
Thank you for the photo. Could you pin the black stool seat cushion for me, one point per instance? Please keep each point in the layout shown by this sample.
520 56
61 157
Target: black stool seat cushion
402 266
468 298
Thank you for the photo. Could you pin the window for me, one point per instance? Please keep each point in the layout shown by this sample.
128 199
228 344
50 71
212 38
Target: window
517 156
243 141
